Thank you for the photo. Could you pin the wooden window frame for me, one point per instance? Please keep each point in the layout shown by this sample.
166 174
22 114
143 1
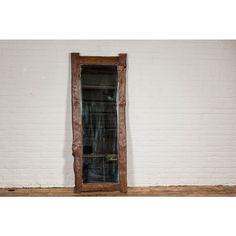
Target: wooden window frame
77 146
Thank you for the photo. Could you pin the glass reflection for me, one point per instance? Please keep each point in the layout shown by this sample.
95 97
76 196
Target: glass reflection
99 121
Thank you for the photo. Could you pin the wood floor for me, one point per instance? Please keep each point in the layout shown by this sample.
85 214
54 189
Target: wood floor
175 191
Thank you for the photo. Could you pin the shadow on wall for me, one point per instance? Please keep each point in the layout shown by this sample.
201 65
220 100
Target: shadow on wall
130 163
67 151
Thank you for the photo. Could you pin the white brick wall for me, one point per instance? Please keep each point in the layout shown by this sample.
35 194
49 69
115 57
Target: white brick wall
180 114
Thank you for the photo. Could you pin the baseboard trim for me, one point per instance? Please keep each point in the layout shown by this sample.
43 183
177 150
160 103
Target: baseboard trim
174 191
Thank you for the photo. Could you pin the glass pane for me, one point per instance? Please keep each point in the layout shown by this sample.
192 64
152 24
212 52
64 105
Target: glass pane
99 121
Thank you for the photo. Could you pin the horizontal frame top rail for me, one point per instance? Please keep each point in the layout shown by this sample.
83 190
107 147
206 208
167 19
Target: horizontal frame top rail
97 60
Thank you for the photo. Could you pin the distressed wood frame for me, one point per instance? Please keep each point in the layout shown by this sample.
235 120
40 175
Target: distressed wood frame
77 146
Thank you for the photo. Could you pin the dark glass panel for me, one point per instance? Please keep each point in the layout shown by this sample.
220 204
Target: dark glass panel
99 120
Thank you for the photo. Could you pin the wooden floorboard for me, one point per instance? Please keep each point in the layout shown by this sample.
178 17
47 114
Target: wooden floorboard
175 191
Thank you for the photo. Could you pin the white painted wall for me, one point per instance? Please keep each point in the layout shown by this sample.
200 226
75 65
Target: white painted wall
180 114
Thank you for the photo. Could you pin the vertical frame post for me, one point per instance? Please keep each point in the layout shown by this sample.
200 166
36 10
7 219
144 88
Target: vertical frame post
77 145
122 123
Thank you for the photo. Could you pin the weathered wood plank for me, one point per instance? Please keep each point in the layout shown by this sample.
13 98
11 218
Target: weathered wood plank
100 187
122 123
77 145
174 191
96 60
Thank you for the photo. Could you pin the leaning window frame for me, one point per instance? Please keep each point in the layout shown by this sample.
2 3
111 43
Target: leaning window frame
76 99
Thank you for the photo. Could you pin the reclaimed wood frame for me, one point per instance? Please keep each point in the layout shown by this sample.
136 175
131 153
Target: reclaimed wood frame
77 146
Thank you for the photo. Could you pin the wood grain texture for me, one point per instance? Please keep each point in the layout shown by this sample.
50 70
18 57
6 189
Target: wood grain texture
88 187
77 146
96 60
122 123
169 191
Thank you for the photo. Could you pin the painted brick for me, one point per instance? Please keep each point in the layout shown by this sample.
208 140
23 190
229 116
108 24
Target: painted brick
181 111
